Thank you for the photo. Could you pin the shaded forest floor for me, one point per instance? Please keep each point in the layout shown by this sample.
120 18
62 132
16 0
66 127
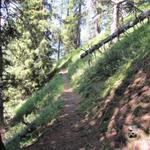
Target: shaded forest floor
112 111
74 131
71 131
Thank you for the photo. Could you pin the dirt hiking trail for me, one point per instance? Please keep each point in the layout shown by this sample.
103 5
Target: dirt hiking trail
71 131
74 131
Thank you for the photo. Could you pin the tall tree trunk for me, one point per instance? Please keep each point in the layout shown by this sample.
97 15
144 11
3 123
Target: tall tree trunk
78 25
97 17
58 50
68 12
115 21
1 86
1 79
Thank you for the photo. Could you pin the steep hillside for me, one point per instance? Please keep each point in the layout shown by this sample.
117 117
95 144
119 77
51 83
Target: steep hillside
114 87
115 90
75 75
32 117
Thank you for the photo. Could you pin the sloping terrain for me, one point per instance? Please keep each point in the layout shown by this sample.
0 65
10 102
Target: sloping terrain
115 96
112 96
65 132
115 91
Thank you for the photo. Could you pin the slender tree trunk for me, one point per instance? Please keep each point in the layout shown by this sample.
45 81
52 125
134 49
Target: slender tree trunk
60 26
98 27
1 81
68 12
97 16
58 50
1 86
78 25
115 21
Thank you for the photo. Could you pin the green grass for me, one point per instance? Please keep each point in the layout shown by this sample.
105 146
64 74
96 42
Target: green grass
107 75
43 106
40 109
106 72
110 69
40 99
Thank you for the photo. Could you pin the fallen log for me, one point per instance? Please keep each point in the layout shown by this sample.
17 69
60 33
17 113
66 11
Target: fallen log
123 29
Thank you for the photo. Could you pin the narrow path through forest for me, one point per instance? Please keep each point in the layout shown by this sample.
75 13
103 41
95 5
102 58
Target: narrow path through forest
73 131
70 132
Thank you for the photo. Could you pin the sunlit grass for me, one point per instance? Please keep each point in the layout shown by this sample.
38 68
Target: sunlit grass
106 72
40 99
40 109
109 69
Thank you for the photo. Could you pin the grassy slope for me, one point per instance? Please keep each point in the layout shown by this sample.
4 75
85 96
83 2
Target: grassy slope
105 73
108 70
108 87
40 109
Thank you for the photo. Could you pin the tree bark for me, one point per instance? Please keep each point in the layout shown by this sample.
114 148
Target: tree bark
115 21
58 50
1 89
68 12
97 17
78 25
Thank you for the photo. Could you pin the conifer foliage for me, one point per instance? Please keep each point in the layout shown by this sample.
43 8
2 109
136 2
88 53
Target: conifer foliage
29 55
39 38
71 32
